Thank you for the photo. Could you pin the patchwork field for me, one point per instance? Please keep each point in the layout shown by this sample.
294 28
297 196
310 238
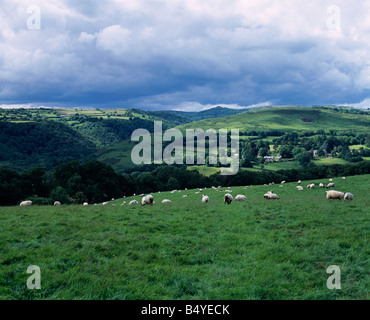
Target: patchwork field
258 249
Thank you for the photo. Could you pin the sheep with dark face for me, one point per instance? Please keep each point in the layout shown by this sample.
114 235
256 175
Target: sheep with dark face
330 185
228 198
133 202
205 199
147 200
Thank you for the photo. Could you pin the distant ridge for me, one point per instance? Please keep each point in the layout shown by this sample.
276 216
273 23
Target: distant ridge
216 112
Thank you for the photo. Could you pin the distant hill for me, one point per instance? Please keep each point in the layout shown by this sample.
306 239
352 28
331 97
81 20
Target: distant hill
41 144
282 119
302 118
49 137
216 112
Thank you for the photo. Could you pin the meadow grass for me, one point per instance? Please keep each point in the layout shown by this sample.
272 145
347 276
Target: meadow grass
258 249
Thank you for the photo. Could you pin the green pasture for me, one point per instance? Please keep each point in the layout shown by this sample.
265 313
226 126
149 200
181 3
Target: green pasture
258 249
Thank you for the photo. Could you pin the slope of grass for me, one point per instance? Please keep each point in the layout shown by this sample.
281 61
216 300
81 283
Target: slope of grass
258 249
287 119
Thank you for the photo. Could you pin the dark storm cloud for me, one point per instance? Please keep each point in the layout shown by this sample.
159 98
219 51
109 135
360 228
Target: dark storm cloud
166 54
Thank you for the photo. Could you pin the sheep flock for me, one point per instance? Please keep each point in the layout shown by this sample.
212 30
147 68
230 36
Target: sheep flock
227 194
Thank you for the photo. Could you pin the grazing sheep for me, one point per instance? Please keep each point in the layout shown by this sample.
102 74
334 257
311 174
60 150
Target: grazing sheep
205 199
321 185
330 180
133 202
311 186
85 204
185 195
166 201
282 182
348 196
57 203
105 203
228 198
299 181
147 200
271 195
332 194
300 188
330 185
343 178
240 197
26 203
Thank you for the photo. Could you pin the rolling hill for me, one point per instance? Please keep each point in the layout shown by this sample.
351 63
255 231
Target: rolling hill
283 119
217 112
300 118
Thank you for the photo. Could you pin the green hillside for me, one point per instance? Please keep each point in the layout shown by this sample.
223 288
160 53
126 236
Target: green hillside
41 144
288 119
308 122
258 249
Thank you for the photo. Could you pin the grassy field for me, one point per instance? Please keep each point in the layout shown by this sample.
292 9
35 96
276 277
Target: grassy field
258 249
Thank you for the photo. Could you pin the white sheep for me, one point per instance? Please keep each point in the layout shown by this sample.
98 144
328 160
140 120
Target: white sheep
240 197
282 182
300 188
85 204
332 194
147 200
26 203
271 195
166 201
205 199
105 203
330 185
57 203
299 181
133 202
228 198
321 185
348 196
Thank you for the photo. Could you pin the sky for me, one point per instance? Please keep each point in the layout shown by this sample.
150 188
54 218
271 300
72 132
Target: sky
184 55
